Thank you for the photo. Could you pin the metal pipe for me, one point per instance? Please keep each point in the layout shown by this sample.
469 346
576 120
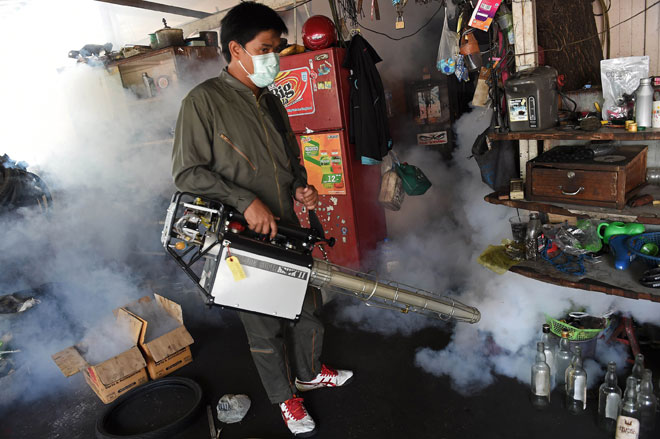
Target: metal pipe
325 274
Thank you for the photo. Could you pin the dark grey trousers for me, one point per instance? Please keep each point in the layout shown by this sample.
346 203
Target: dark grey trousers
275 343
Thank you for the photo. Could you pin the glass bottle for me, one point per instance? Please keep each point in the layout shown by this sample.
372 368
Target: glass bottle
609 399
576 384
563 359
627 424
646 402
548 350
540 379
638 369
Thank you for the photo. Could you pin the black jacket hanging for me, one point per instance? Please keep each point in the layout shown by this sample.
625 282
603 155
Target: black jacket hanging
368 129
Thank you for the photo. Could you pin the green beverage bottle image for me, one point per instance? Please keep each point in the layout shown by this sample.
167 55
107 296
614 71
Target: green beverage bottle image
326 171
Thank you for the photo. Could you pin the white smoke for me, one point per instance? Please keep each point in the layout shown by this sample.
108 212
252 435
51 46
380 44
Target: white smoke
436 239
105 156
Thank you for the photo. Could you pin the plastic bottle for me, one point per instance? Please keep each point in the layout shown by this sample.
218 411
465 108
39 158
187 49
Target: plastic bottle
647 402
627 424
655 111
505 20
609 400
576 384
540 379
563 359
644 103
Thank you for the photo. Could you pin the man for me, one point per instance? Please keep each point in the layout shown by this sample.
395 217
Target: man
227 147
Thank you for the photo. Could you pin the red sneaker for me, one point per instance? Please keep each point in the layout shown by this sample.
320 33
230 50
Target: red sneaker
328 377
297 419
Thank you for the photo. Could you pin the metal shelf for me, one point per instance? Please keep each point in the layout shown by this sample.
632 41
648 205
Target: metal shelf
559 134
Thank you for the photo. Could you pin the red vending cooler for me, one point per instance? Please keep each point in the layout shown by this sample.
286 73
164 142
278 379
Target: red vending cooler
314 89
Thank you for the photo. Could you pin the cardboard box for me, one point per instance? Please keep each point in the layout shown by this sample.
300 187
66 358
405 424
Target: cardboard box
170 351
111 378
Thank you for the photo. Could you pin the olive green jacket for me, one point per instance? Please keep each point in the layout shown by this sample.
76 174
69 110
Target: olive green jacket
226 147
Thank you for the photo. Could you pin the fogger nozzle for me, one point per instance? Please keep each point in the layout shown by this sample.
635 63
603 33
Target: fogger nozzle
325 274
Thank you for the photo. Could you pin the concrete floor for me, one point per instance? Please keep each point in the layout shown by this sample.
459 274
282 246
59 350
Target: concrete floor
389 398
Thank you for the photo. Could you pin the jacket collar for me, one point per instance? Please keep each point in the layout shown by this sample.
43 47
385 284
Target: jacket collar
233 82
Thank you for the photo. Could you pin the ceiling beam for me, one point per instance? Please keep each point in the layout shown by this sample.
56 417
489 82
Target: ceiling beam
213 21
141 4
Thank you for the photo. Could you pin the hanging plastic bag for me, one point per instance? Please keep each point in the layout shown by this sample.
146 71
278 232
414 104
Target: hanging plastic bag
413 179
620 78
447 50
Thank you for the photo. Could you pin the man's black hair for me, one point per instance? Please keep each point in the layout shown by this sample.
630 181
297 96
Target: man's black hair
244 21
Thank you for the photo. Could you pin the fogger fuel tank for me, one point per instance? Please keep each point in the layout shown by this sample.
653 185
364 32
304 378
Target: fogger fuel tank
531 99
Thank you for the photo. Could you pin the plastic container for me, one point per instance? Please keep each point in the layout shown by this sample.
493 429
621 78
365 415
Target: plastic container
644 103
656 114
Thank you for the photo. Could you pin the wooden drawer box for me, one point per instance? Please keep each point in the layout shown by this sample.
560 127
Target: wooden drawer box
607 181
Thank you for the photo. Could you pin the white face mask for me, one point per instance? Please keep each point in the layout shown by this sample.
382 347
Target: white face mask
266 68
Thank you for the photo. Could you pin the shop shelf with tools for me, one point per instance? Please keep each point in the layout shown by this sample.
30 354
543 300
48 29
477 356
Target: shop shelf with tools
600 273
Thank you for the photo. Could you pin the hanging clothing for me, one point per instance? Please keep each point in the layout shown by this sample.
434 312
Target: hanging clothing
368 129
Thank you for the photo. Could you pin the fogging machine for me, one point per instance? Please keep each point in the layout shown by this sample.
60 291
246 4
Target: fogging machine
237 268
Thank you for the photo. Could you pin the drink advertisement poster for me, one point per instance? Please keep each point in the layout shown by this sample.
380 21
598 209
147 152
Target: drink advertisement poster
294 88
324 163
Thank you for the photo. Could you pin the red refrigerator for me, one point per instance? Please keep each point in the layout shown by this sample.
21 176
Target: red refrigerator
314 89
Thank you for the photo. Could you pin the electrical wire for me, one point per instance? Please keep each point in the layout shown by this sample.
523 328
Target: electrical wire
406 36
596 35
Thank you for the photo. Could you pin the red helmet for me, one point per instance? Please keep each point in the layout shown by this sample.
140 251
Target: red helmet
319 32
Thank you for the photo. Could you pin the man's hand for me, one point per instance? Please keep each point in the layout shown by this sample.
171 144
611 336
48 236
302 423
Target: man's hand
260 219
308 196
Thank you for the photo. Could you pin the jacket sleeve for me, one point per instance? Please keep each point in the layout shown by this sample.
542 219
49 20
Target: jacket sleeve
299 171
192 156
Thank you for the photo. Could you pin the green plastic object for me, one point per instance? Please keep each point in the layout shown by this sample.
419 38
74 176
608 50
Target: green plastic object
618 228
574 334
414 180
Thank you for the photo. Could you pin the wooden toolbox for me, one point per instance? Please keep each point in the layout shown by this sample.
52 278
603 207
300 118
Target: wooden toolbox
606 181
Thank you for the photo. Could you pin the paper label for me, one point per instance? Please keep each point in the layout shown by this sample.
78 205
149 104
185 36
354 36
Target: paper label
518 110
612 405
580 392
541 387
235 268
627 428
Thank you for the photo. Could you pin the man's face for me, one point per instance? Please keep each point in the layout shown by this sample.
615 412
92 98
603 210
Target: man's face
264 42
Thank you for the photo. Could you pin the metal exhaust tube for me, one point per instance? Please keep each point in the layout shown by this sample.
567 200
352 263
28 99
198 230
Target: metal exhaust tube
325 274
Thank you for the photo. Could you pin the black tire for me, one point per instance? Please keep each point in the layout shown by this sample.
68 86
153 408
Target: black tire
106 424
